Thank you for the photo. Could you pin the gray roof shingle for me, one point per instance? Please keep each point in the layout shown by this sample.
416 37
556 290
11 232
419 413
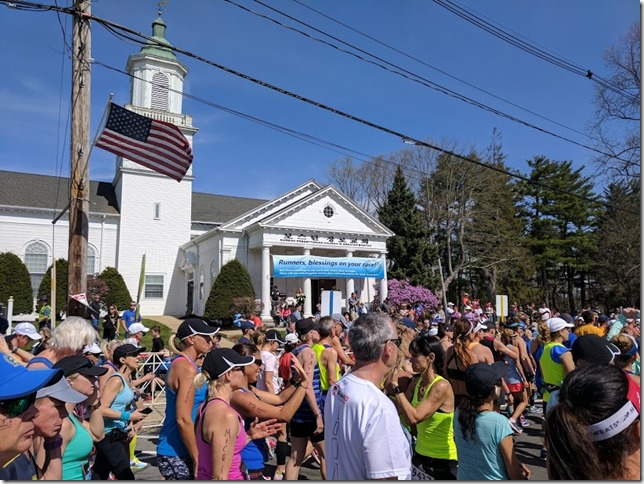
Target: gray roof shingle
47 192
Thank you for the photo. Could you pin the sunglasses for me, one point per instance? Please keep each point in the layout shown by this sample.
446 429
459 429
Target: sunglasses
396 341
17 406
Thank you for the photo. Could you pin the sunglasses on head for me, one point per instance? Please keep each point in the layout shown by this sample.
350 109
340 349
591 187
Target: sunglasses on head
17 406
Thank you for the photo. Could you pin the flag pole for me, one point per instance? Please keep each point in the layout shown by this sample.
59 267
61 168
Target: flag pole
138 294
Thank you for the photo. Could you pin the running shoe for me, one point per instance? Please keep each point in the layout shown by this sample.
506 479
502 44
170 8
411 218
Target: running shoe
515 427
278 476
316 456
271 444
136 464
538 409
523 422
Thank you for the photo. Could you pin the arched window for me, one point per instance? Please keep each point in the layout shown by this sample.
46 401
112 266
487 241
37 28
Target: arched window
36 260
91 260
160 84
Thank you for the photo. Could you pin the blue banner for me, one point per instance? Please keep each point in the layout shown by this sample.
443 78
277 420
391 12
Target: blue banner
313 266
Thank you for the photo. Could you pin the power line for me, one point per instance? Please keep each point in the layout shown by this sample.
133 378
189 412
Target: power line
554 59
400 135
402 72
420 61
403 137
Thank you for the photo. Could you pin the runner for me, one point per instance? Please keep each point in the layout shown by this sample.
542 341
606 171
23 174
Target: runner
177 447
483 437
219 429
515 380
599 407
428 404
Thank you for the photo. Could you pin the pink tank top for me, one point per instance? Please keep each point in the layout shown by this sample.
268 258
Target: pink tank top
204 468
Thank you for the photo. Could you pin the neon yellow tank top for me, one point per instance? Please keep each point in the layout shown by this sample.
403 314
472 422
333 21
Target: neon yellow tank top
553 373
436 434
324 375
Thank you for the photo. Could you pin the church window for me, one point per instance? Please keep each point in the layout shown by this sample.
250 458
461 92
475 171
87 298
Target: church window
160 84
36 260
328 211
157 211
154 285
91 260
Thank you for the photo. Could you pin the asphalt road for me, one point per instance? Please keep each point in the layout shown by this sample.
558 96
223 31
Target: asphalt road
528 448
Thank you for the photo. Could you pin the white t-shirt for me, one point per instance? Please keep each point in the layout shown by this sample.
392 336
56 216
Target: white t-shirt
271 363
363 436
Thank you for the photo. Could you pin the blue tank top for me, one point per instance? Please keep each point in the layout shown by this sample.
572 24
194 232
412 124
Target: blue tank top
305 413
40 359
170 442
254 454
123 402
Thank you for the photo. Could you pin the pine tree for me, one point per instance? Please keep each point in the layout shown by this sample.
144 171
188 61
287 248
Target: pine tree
118 294
15 282
410 249
232 282
61 285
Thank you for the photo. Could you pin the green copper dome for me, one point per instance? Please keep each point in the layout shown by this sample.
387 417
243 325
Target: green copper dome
158 34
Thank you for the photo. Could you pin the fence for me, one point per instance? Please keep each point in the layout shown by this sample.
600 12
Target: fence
150 363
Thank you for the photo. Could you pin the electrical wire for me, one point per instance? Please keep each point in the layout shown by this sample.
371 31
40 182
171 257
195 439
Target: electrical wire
451 76
402 72
132 34
554 59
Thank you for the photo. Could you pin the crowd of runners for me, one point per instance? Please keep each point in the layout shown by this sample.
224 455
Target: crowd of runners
398 392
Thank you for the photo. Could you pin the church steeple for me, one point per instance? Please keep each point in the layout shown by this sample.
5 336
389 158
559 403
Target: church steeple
158 34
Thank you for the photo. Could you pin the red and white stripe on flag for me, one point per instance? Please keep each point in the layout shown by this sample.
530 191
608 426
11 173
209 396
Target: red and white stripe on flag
157 145
81 298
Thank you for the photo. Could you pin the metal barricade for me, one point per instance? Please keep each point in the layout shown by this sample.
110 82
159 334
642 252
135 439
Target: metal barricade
153 361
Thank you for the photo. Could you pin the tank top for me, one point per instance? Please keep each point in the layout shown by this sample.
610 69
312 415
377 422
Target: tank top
76 456
204 467
170 441
512 376
324 374
553 373
304 413
122 403
40 359
436 434
489 342
254 453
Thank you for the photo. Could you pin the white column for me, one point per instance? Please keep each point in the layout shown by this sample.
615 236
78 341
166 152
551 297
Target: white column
266 282
350 283
307 292
383 281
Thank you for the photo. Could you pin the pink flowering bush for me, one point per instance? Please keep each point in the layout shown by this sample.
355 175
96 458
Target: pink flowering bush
401 292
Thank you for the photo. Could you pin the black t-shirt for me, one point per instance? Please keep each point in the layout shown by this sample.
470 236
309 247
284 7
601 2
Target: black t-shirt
157 344
22 468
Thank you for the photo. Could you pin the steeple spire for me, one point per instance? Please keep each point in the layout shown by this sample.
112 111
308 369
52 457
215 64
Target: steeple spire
158 34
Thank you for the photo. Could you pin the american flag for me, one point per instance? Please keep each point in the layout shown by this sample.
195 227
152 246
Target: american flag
154 144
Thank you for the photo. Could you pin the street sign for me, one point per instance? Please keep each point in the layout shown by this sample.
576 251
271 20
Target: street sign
502 305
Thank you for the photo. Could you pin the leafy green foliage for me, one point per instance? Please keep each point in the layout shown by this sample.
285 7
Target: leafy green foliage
118 293
410 248
232 282
61 285
15 282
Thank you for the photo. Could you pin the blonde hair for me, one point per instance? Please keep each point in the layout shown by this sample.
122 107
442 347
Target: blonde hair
174 347
544 334
108 347
625 343
259 337
72 335
214 386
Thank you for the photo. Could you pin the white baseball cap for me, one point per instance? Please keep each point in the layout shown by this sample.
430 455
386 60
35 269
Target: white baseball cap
27 329
137 328
291 338
557 324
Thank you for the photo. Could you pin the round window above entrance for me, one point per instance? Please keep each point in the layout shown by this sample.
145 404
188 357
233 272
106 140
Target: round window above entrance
328 211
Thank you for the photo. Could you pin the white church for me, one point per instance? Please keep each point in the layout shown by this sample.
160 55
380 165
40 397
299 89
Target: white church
187 236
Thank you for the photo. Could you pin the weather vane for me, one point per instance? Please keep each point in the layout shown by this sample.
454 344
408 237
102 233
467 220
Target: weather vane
160 4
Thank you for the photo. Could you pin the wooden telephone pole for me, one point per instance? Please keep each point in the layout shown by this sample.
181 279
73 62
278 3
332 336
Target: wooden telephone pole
79 153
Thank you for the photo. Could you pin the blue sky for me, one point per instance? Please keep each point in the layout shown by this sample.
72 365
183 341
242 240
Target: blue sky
236 157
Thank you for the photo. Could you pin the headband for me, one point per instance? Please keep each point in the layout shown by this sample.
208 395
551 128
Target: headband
634 348
621 419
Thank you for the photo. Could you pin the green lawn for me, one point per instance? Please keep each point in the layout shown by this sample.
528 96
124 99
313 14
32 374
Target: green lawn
147 339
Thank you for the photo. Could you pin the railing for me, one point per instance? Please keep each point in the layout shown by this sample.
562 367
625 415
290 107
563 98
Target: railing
154 361
174 118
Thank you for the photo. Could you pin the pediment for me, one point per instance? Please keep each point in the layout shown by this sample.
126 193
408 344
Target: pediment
326 210
271 207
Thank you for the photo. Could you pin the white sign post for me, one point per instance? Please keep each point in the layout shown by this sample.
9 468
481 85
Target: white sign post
502 306
331 303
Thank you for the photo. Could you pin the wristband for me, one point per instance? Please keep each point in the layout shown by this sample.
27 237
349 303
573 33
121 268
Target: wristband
125 416
53 443
294 383
97 404
396 390
15 350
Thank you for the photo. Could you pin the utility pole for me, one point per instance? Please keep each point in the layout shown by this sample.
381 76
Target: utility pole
79 153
